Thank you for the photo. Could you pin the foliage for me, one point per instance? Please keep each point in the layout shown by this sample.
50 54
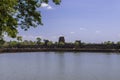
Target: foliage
13 43
42 43
19 38
118 42
26 42
38 40
108 42
20 13
49 43
76 44
1 42
8 23
61 44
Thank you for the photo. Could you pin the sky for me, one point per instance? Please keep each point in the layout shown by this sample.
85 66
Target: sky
86 20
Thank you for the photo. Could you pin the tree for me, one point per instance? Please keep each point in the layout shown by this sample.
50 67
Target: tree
20 13
76 44
26 42
19 38
118 42
49 44
1 42
61 44
109 43
13 43
45 41
38 40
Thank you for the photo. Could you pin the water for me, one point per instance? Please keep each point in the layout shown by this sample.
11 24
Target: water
60 66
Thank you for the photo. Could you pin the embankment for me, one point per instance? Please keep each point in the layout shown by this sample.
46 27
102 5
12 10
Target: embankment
9 50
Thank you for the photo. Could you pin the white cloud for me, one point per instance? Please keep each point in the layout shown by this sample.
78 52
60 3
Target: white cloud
28 37
38 36
83 29
72 32
44 5
5 35
61 35
49 7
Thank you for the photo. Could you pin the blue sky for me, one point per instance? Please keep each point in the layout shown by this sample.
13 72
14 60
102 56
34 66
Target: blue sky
85 20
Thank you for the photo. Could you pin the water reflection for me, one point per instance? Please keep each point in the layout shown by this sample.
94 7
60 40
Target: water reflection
60 66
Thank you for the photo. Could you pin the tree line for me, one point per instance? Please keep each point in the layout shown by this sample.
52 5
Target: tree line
39 43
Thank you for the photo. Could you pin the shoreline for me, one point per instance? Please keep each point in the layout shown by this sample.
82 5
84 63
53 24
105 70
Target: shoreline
12 50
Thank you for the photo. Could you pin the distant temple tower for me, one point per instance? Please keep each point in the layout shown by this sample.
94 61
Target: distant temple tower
46 41
62 39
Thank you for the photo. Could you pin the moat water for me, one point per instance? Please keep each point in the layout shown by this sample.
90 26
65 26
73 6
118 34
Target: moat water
60 66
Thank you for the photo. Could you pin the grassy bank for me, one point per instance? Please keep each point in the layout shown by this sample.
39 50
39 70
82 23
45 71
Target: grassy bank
9 50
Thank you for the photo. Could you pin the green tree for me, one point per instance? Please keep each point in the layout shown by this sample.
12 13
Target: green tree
6 44
1 42
42 43
45 41
49 44
61 44
13 43
19 38
8 23
26 42
20 13
31 42
77 44
109 43
118 42
38 40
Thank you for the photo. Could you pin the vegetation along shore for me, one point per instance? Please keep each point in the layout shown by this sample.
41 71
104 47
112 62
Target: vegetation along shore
61 45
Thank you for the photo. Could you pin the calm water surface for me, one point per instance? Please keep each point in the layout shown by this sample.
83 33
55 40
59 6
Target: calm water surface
60 66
